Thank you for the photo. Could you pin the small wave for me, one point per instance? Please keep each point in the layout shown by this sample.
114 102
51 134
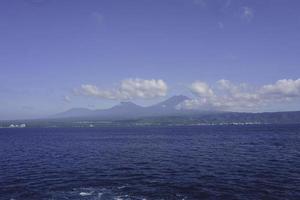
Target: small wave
85 193
94 194
122 187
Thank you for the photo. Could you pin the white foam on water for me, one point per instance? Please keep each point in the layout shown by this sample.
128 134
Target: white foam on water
100 194
85 193
93 193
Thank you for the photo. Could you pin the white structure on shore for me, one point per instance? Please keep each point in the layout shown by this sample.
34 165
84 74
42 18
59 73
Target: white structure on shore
17 126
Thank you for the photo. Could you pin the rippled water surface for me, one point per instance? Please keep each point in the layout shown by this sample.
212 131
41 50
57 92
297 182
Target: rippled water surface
207 162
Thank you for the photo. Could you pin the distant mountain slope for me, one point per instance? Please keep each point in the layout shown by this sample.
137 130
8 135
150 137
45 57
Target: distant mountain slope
167 107
74 112
127 110
122 110
170 103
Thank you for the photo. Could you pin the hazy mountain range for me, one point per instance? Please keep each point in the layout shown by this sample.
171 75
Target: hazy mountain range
168 112
126 110
163 113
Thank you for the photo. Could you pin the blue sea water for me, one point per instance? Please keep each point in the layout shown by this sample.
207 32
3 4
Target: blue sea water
188 162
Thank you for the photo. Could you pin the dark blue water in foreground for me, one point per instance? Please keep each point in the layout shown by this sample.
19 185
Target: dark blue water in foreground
208 162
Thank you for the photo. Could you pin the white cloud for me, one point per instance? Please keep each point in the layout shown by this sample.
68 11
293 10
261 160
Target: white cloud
240 97
247 13
202 89
67 99
283 88
229 87
128 89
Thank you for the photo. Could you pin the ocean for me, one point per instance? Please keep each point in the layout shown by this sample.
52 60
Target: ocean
145 163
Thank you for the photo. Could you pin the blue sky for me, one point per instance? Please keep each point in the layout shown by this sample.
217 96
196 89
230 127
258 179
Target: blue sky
51 49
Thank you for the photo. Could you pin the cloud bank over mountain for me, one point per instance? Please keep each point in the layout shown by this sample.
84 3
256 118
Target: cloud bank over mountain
223 95
128 89
240 97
